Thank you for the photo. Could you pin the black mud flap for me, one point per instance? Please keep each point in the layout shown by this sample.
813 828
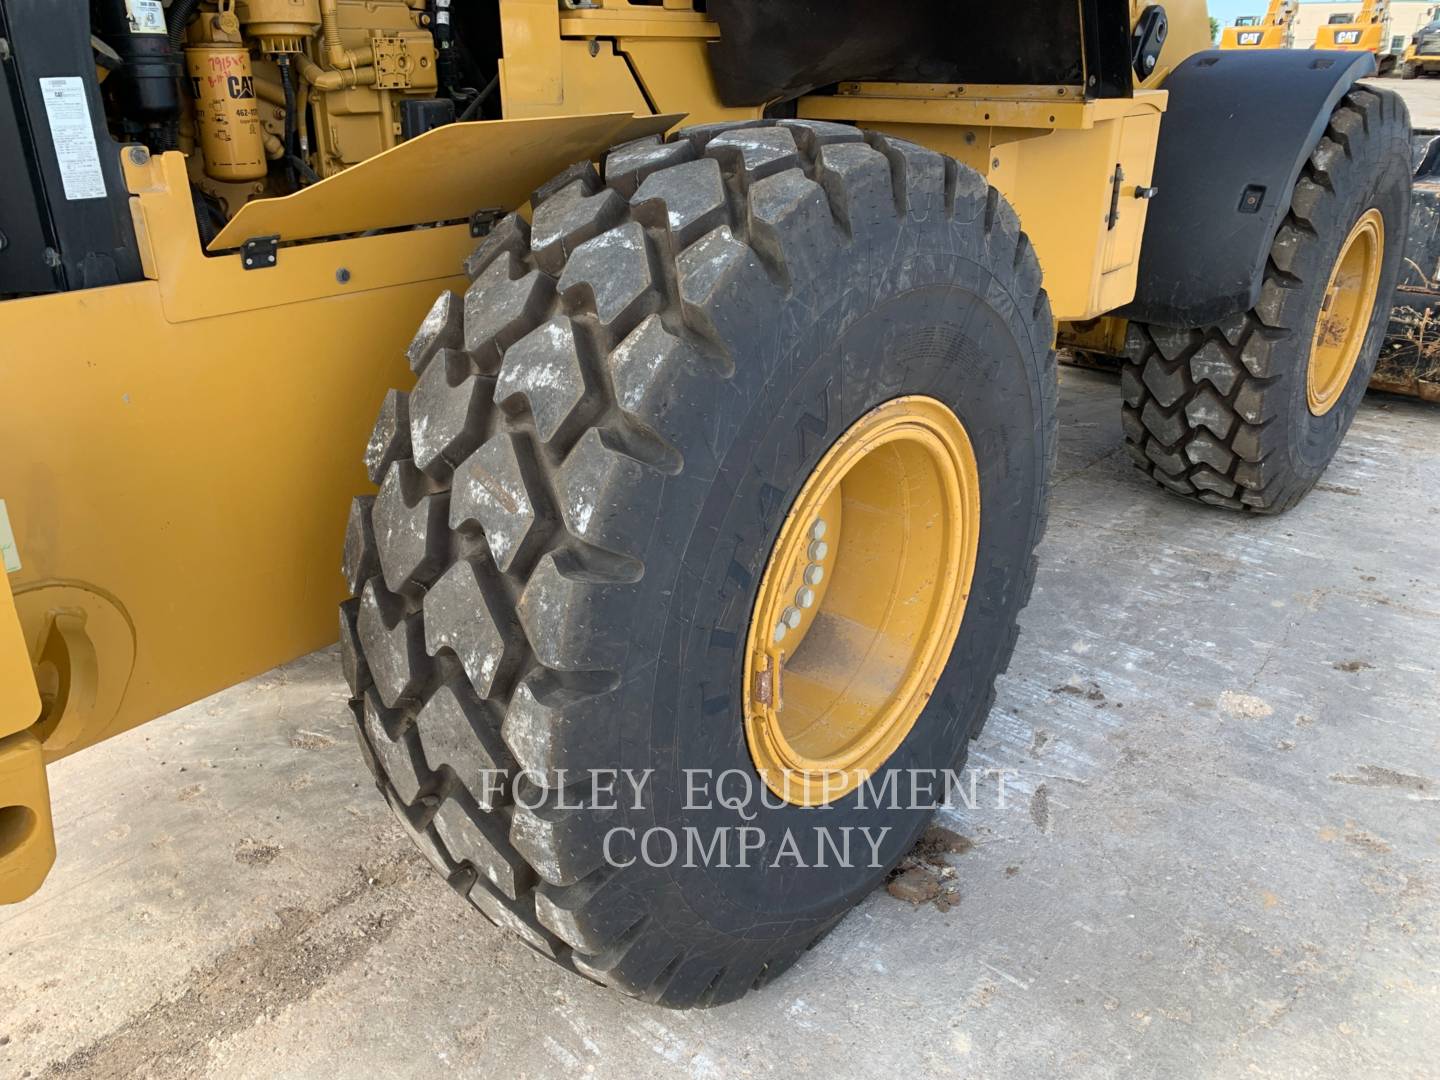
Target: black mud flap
1237 132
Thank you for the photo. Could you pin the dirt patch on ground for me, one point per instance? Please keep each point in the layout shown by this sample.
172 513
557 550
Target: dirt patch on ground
1351 666
282 965
311 740
925 874
1040 808
1090 692
256 852
1379 776
1245 706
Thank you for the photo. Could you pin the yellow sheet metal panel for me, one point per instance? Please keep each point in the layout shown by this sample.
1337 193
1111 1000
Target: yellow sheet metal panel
27 837
594 78
178 456
612 55
530 47
676 75
869 104
445 174
1089 265
19 697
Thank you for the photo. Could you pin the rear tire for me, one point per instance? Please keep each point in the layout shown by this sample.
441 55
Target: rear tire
578 497
1220 413
1410 70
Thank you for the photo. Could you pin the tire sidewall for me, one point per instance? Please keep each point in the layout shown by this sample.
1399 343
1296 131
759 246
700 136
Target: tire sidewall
847 343
1315 439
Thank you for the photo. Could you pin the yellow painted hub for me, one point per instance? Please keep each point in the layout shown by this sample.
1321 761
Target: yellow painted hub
861 600
1345 313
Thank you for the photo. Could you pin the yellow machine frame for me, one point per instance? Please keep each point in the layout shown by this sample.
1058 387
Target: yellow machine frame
178 453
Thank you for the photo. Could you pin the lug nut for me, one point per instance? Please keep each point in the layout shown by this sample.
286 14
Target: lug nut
818 529
805 596
818 550
813 574
780 630
791 617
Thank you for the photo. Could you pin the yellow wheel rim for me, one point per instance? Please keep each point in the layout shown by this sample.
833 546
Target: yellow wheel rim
1345 313
861 600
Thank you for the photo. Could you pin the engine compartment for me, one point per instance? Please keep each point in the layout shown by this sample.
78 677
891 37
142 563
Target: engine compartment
265 97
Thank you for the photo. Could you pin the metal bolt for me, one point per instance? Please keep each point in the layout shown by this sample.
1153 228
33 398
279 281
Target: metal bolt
1149 63
818 529
791 617
813 574
818 550
805 596
342 275
249 261
52 258
780 631
139 155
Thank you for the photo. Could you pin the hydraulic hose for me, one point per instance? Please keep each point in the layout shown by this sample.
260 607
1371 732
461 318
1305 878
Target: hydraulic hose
180 13
479 99
287 85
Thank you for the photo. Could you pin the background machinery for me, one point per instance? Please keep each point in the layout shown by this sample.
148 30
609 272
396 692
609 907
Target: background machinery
730 414
1368 31
1273 30
1422 52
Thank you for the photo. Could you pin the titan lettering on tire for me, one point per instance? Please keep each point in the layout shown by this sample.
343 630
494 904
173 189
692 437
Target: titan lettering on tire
578 498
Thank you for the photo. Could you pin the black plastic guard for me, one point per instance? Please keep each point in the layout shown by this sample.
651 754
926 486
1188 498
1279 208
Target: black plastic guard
780 49
1237 132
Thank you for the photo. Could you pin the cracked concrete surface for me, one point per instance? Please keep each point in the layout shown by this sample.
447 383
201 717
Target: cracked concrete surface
1216 853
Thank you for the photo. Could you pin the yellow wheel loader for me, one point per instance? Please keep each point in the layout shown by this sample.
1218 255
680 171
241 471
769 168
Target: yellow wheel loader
714 348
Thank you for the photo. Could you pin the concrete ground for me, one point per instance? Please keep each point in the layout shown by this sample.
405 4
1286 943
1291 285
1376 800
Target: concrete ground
1217 854
1422 96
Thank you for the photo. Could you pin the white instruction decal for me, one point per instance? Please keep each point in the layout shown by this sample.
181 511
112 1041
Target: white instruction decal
74 137
8 553
145 16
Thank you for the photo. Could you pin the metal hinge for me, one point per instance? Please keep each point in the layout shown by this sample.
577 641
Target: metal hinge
1115 182
260 252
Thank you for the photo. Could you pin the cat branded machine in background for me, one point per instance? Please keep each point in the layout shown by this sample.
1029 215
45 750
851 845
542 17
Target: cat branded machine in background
1273 30
1368 31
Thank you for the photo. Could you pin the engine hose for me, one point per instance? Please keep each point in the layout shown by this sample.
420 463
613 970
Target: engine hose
287 87
180 13
474 106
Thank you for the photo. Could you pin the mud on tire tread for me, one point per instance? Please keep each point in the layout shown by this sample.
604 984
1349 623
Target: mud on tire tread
1218 413
559 376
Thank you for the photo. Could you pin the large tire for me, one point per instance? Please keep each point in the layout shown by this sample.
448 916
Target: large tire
1220 413
1410 70
578 497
